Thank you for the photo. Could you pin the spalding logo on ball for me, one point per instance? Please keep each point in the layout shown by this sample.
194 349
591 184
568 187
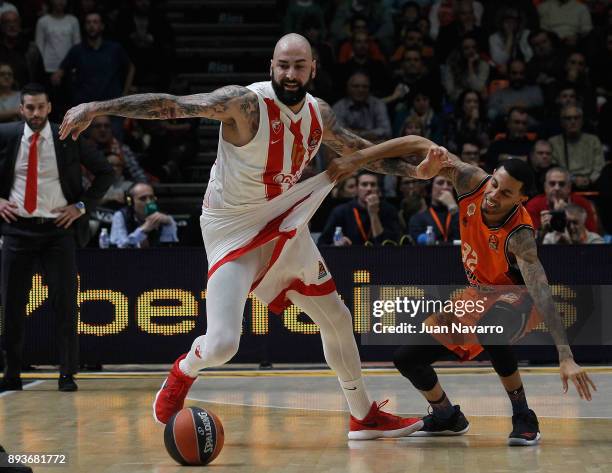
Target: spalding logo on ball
194 436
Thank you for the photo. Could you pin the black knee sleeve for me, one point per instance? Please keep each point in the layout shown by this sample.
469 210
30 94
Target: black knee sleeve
414 362
503 359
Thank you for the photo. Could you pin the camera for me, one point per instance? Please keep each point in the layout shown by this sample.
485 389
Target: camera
558 222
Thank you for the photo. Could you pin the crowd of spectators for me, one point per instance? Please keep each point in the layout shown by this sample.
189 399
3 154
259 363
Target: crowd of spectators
489 80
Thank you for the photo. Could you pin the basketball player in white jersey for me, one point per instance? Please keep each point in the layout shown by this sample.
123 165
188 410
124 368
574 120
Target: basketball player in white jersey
254 221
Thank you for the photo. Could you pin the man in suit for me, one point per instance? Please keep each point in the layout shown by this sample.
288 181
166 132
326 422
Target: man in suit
43 211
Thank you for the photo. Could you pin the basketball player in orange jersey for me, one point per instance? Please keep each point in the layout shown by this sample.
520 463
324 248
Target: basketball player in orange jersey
254 221
498 250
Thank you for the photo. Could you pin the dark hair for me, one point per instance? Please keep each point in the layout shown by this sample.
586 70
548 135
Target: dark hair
357 17
33 89
516 108
95 12
522 172
365 172
469 142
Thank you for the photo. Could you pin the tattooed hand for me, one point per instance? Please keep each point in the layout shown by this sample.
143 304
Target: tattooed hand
76 120
437 158
341 168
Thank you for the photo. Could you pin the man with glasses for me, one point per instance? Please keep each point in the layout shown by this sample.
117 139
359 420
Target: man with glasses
140 224
580 153
557 195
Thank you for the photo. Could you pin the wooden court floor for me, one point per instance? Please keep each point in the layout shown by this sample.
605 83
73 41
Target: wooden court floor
294 422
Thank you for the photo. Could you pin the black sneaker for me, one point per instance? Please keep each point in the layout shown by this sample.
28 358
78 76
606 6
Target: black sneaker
10 384
457 424
525 430
66 383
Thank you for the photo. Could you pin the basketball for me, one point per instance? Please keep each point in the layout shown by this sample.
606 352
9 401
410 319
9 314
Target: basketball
194 436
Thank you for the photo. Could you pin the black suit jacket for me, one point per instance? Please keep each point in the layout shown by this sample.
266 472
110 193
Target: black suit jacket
70 155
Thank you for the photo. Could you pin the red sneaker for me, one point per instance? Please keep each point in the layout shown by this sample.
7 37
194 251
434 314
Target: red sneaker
381 424
171 397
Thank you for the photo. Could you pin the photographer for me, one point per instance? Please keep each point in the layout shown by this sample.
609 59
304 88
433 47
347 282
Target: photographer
568 227
557 195
140 224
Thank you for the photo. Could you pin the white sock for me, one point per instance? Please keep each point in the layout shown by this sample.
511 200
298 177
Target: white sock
357 397
186 367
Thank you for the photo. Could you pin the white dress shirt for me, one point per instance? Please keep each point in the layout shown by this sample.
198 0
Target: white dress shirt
49 195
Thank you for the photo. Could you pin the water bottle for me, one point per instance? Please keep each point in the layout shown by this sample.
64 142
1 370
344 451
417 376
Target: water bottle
338 236
104 240
430 236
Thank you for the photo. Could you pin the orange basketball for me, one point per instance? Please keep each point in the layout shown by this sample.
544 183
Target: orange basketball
194 436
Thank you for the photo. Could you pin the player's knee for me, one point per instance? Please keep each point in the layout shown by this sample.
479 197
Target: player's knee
408 362
503 359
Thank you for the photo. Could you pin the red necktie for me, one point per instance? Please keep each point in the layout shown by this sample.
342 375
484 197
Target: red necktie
31 188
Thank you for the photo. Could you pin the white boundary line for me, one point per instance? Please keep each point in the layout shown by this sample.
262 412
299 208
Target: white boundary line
25 387
272 406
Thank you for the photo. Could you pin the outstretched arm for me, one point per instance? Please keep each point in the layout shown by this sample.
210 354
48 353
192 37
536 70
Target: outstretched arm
346 143
224 104
523 245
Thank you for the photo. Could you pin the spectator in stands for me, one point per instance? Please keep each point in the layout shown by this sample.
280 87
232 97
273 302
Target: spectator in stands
576 74
56 33
115 195
551 124
468 122
365 219
602 76
298 10
470 153
442 213
412 192
547 62
359 25
364 114
443 13
574 231
140 224
518 94
347 189
570 20
322 85
465 70
417 76
412 39
510 41
557 195
361 61
10 99
6 6
515 144
580 153
310 28
149 41
16 50
102 68
432 126
101 133
463 25
541 162
378 14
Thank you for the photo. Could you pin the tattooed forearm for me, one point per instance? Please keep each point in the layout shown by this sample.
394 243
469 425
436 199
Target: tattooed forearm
523 246
465 177
215 105
394 166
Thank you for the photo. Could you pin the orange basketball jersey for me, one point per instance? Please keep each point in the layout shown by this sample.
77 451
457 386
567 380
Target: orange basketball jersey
484 249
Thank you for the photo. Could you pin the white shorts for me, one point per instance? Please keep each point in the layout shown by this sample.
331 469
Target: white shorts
290 260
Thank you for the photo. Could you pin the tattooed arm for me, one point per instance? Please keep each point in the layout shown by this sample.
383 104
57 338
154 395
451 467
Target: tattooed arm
346 143
523 246
228 104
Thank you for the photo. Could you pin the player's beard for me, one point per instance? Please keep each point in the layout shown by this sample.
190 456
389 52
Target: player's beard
290 97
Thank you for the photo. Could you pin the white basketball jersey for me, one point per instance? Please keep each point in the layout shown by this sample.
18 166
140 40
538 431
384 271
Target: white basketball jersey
273 160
